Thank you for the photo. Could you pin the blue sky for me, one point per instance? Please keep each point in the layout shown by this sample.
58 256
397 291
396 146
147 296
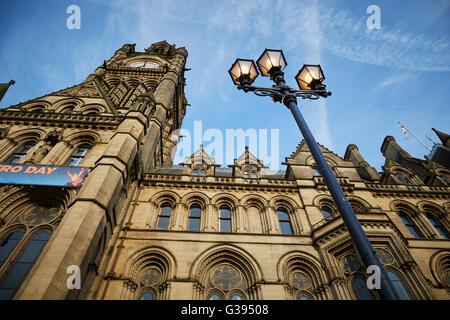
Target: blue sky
378 77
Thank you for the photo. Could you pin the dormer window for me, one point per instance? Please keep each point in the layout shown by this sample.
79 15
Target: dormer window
249 172
403 179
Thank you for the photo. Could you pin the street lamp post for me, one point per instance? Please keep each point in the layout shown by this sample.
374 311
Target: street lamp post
309 79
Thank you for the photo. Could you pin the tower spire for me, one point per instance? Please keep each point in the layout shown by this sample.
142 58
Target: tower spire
445 138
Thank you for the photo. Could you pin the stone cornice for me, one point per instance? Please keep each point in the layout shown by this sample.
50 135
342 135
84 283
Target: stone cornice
22 117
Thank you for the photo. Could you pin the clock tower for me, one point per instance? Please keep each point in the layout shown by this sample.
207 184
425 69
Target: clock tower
117 123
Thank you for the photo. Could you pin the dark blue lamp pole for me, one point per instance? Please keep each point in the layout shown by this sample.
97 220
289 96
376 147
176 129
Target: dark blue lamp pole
271 63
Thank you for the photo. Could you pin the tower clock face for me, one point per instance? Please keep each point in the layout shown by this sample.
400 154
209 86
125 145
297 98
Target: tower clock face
144 64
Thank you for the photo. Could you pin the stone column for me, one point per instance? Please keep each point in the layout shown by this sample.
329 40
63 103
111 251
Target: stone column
340 289
57 152
242 220
270 215
178 213
210 217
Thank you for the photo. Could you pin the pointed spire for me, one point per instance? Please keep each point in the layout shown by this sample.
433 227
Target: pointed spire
445 138
4 87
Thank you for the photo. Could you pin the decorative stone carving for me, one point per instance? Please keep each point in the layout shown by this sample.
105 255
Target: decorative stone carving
82 90
384 256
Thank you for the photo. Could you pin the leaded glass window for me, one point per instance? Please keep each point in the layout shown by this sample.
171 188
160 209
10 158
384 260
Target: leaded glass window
351 264
22 264
41 215
151 277
225 282
300 281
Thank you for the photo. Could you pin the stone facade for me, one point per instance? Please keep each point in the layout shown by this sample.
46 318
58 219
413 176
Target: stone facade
140 227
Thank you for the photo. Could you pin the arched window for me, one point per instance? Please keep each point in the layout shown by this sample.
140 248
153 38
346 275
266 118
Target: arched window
437 225
21 151
147 295
224 219
410 224
327 213
285 222
91 112
236 296
8 243
303 296
21 264
194 217
215 296
360 289
226 282
37 108
398 286
164 216
403 179
67 108
249 172
79 154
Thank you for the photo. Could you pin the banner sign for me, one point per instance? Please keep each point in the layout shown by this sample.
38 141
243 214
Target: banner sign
31 174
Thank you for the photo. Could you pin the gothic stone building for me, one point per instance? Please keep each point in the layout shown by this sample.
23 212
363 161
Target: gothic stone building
141 228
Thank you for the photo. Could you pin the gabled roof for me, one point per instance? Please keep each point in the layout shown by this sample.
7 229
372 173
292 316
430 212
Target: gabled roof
199 157
248 158
303 147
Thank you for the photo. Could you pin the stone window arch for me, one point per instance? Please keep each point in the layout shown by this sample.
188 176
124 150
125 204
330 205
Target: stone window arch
357 206
304 278
67 107
36 108
146 275
225 274
440 268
